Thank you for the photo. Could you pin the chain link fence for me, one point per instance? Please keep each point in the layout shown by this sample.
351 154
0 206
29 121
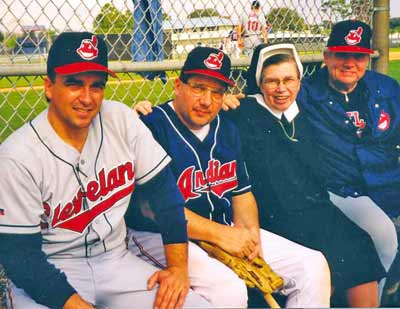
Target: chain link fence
147 41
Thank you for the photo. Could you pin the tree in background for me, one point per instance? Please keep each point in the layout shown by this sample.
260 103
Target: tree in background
394 24
165 16
9 43
362 10
204 13
344 9
111 20
336 9
286 19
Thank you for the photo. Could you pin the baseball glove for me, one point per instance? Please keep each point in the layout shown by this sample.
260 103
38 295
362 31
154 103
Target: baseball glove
256 273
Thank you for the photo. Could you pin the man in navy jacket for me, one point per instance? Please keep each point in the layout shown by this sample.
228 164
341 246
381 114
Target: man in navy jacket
355 113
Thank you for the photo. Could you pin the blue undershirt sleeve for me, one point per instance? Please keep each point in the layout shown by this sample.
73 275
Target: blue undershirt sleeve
27 266
167 204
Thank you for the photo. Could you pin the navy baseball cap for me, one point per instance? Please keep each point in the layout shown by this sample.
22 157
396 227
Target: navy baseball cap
207 61
350 36
78 52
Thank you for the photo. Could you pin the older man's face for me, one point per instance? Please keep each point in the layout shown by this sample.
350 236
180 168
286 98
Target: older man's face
345 69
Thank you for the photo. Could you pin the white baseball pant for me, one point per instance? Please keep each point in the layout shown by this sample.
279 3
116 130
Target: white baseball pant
305 271
234 49
250 42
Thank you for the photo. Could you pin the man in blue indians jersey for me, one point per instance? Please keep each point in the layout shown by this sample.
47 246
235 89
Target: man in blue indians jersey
220 207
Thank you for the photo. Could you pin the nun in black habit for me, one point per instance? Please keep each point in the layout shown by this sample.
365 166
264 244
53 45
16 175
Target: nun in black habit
282 163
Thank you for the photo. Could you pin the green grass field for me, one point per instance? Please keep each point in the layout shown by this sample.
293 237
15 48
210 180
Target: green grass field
394 69
17 107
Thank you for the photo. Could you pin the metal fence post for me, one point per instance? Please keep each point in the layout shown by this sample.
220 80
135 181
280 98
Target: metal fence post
380 36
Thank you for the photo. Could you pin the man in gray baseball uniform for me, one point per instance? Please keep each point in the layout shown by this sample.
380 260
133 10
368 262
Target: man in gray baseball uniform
66 181
252 30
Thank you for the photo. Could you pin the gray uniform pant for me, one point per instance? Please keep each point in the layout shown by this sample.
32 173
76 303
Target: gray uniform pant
117 279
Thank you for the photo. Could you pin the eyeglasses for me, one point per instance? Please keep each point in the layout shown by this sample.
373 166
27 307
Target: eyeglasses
200 90
271 84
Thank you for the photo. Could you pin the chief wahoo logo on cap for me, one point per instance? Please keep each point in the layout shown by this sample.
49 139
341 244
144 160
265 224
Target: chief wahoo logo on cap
88 49
214 61
354 36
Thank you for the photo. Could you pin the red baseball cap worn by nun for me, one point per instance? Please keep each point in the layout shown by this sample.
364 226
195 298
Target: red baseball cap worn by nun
350 36
207 61
78 52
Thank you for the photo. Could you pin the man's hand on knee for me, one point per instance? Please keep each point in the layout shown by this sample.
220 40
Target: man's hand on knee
173 287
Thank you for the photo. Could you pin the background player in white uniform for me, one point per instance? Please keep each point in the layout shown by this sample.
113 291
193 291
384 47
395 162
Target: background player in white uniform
206 160
65 184
231 46
252 30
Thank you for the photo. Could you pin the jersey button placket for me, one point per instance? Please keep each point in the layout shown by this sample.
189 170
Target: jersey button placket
398 150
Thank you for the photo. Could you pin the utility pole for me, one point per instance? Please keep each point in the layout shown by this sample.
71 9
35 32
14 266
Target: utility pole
380 35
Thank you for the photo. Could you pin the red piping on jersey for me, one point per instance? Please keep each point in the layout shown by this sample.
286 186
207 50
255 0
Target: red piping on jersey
145 253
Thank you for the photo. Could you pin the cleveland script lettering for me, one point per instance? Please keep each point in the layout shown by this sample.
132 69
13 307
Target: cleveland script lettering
71 216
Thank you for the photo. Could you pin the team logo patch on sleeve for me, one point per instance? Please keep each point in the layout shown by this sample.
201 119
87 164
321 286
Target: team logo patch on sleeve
384 121
218 180
88 49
